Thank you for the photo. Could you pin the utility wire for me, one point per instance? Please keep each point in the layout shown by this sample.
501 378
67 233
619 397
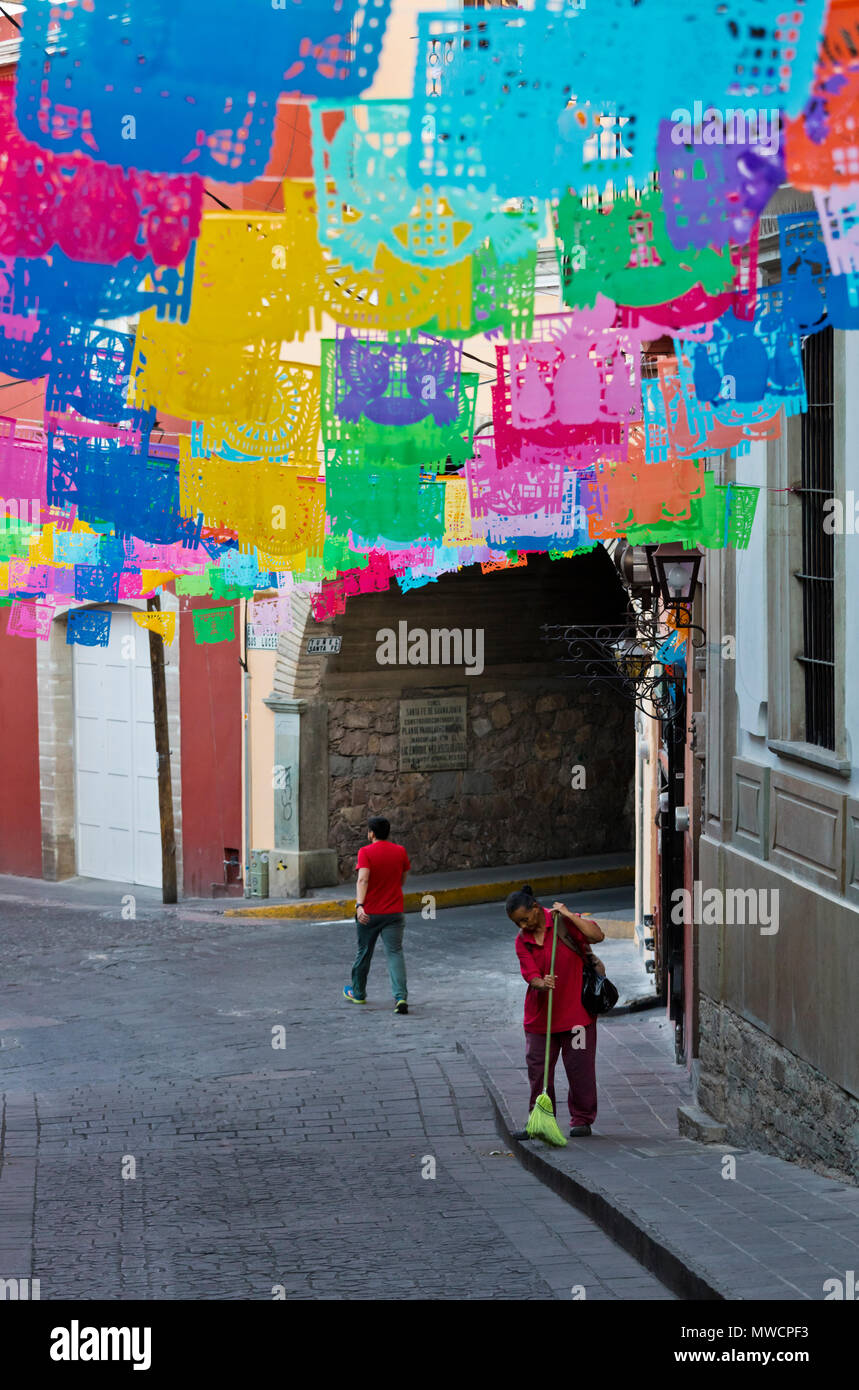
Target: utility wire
288 161
29 401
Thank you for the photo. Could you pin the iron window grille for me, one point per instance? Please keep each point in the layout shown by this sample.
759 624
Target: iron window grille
817 574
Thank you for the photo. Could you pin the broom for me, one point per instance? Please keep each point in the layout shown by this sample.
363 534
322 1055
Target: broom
541 1122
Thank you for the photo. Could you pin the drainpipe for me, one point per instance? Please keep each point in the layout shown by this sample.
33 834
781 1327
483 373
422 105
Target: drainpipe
642 756
246 697
639 836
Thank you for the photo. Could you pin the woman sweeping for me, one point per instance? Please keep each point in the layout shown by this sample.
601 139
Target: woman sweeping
574 1030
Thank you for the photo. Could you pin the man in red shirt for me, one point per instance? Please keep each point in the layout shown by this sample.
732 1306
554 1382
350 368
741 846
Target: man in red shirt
382 869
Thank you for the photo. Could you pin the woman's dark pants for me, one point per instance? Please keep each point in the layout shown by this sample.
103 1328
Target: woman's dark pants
578 1051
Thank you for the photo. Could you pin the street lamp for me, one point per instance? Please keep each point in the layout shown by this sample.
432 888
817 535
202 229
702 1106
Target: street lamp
674 573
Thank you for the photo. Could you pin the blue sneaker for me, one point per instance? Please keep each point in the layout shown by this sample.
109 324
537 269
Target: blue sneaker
348 993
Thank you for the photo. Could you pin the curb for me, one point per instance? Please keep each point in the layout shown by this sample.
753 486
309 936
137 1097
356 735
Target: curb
469 895
649 1247
635 1006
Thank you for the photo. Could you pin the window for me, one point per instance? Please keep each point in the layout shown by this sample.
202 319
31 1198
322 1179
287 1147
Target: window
817 574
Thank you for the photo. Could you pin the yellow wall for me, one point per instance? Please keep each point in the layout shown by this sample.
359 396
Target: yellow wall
261 669
647 807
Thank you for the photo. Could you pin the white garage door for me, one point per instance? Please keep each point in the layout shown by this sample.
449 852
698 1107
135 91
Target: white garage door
116 774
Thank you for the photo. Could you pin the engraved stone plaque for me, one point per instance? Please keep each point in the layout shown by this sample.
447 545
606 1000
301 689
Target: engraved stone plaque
433 733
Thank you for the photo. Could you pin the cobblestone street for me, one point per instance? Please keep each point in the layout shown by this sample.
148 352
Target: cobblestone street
148 1045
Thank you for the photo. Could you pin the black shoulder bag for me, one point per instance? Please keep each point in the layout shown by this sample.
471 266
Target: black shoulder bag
599 995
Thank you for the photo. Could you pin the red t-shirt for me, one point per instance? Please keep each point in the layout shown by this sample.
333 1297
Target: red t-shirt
534 961
387 863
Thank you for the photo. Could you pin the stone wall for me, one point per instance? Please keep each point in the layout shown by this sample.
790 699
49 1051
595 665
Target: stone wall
772 1100
513 804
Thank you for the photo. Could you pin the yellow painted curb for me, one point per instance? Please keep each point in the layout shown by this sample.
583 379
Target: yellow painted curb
467 896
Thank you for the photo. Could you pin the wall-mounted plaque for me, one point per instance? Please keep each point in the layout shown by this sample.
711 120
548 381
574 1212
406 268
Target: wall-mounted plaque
433 733
261 641
323 645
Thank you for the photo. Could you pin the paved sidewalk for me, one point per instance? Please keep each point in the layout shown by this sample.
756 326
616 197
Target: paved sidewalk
99 895
461 888
774 1231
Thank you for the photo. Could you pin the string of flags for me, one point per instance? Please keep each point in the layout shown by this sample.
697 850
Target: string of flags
318 352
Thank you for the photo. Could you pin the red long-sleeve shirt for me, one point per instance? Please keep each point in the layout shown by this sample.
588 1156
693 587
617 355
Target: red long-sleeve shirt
534 962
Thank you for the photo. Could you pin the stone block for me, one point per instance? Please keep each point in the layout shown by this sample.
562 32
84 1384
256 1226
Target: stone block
355 716
477 783
443 786
292 872
547 746
694 1123
353 744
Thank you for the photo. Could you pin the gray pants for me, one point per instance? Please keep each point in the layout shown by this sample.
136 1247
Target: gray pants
390 926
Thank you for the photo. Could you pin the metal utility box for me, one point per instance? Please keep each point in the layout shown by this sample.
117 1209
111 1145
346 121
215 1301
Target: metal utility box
258 876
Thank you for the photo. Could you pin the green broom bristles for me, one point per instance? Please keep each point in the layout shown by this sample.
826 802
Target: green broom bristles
542 1123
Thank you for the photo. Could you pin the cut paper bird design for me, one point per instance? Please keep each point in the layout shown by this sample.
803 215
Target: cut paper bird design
397 383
